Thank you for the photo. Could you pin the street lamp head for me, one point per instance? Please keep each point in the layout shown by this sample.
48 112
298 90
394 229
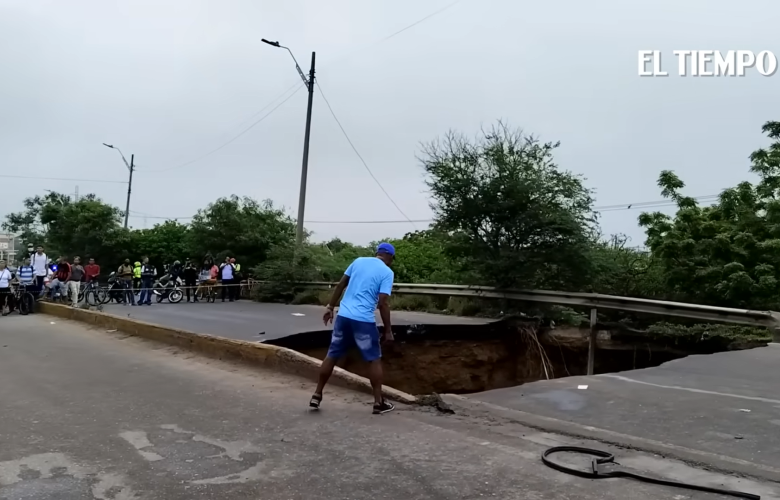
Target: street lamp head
108 145
275 44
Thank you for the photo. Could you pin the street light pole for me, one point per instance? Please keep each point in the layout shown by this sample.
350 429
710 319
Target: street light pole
129 188
130 166
305 163
309 82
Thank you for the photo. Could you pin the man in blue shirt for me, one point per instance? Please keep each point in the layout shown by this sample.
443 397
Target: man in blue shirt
369 282
26 274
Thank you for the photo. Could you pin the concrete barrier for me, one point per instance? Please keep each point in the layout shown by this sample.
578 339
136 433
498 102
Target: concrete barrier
269 356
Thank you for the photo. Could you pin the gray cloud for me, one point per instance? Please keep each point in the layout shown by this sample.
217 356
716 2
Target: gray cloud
170 81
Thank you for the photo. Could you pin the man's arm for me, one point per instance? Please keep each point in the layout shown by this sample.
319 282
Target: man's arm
385 289
336 296
384 313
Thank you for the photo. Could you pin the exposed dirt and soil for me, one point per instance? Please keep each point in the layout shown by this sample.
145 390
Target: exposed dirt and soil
467 359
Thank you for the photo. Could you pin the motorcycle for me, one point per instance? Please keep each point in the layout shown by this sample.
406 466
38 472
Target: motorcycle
116 291
166 288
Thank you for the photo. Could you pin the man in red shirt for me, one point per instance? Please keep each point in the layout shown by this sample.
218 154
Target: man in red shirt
61 277
91 270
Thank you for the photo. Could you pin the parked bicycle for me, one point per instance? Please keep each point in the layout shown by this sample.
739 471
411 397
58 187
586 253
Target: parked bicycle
93 293
24 299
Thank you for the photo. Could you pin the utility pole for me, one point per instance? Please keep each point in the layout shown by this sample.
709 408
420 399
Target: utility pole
77 194
130 166
129 188
305 164
309 82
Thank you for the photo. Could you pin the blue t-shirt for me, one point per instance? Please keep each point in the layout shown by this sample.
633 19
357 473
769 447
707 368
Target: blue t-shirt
368 277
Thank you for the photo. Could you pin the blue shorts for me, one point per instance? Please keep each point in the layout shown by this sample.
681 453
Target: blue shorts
349 333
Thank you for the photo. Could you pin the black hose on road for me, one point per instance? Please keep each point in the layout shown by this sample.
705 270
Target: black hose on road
602 457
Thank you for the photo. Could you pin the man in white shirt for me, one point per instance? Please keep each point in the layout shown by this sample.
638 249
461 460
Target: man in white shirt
40 263
5 288
226 275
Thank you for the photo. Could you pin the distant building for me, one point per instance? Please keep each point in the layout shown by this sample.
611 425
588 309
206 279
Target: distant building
10 246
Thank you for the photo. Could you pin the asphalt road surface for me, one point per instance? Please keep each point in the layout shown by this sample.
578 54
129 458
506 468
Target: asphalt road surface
726 403
245 320
92 415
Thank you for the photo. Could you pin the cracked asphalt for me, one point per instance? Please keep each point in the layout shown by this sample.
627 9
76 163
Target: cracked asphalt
87 414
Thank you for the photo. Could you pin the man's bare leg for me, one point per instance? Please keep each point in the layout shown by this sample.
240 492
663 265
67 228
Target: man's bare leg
375 376
326 370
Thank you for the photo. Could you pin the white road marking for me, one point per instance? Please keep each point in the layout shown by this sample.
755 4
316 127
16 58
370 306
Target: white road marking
690 389
139 441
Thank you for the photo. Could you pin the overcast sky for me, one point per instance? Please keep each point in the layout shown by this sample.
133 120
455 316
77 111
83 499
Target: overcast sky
170 81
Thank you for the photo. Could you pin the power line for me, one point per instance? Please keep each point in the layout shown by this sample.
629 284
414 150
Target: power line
421 20
62 179
382 40
652 204
605 208
234 137
294 85
297 85
407 221
361 157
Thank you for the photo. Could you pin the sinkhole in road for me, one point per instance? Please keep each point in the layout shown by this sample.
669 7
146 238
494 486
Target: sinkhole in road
463 359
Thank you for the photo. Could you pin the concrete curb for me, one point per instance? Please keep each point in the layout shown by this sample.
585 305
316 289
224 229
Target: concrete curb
721 463
269 356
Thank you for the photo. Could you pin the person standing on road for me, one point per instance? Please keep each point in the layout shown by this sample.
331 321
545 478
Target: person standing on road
125 276
91 271
74 284
5 289
237 277
40 263
208 278
368 282
226 275
26 274
174 273
190 276
137 276
148 272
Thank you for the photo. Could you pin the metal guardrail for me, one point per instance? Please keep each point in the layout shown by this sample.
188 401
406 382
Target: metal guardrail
769 319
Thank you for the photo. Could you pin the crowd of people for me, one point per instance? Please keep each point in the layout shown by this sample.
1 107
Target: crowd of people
196 280
366 286
62 279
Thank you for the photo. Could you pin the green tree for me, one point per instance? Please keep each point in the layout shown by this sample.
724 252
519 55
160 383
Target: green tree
240 227
87 228
164 243
514 218
29 224
729 253
334 256
621 270
421 258
284 266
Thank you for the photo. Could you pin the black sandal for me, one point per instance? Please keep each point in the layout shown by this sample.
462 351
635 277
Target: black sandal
315 401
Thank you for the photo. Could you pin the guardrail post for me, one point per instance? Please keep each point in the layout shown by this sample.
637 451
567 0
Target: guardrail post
592 341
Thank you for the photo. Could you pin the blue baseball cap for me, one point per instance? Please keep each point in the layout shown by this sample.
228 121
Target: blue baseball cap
386 248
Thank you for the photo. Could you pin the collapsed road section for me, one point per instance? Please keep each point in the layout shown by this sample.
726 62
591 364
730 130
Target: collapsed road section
469 358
